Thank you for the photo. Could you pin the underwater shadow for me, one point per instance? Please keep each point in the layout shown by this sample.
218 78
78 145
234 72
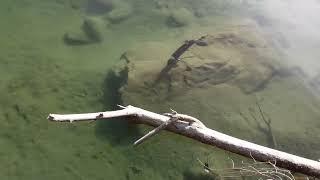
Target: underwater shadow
118 131
190 175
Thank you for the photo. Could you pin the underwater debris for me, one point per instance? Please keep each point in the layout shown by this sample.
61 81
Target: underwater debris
175 57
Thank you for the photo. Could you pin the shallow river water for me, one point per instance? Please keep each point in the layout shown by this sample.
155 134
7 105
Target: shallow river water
56 56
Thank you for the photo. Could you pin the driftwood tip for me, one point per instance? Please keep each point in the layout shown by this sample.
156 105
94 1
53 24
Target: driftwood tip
50 117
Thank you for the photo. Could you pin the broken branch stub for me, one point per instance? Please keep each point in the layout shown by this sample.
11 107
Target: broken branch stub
156 130
205 135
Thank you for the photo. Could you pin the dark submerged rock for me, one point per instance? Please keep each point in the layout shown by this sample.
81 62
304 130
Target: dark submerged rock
99 6
180 17
92 26
76 38
90 32
77 4
121 12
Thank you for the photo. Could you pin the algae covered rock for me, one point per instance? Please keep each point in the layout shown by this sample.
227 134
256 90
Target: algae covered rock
99 6
256 79
92 31
180 17
93 28
113 10
77 4
120 12
231 58
76 38
212 73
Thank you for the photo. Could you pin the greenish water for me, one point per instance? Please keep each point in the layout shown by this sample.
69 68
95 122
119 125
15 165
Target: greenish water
41 74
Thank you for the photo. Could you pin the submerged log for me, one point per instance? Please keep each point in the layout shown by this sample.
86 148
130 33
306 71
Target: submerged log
192 128
176 56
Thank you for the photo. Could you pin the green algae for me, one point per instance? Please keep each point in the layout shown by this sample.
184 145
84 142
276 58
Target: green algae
41 75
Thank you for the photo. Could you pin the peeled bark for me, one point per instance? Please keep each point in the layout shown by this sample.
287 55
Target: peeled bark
205 135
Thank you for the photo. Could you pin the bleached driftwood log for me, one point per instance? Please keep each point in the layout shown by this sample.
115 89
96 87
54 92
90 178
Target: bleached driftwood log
193 128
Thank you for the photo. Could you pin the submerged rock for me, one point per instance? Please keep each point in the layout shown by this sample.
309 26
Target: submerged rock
76 38
233 59
99 6
121 12
211 73
77 4
93 27
91 32
180 17
256 79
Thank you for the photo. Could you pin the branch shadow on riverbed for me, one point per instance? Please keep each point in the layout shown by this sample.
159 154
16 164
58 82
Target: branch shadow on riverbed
118 131
190 175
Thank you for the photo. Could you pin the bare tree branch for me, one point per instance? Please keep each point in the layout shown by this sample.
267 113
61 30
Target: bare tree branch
205 135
